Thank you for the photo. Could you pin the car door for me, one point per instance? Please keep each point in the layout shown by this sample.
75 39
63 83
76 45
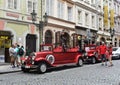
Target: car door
59 57
69 56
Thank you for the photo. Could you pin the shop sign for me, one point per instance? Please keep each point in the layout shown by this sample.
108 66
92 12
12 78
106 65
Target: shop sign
4 37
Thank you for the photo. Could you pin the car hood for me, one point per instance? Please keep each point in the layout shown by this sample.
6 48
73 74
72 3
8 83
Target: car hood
115 52
43 52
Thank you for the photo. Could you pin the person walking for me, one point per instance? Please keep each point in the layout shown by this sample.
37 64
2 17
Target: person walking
17 58
110 54
12 57
102 50
21 53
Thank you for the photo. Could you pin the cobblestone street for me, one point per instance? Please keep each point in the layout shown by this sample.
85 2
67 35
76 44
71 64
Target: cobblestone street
86 75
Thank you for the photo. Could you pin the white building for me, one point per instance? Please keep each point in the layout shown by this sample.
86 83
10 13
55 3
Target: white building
90 17
61 18
87 18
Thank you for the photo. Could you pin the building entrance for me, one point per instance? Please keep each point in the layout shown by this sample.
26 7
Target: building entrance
5 43
30 44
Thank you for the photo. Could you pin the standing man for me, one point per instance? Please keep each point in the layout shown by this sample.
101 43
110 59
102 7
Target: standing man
79 43
12 56
63 41
21 53
102 50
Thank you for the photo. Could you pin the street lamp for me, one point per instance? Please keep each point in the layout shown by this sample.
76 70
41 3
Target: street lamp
41 23
112 33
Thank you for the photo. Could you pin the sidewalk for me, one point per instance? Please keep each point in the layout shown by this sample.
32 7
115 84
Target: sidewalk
7 68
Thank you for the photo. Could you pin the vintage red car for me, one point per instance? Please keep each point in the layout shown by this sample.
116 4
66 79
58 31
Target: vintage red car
52 57
91 54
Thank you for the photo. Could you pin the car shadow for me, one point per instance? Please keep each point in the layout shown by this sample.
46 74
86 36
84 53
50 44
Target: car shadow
56 69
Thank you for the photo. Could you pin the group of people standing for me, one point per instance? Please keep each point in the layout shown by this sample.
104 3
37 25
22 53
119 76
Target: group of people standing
16 52
105 53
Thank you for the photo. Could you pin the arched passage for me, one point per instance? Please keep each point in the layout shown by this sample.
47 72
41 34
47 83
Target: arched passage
102 39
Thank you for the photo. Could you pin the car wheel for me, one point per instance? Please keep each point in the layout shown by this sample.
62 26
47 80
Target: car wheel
93 60
42 67
80 62
119 57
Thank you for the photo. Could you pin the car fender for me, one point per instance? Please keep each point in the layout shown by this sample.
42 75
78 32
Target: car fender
42 60
77 57
91 55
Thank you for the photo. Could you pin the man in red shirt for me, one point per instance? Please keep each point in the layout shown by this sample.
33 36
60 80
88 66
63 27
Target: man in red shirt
102 50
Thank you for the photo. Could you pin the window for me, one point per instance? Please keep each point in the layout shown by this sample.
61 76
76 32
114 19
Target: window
49 7
69 13
79 17
86 19
13 4
30 6
100 23
92 1
93 21
60 9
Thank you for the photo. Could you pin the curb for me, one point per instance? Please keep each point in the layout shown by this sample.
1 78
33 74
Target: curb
6 72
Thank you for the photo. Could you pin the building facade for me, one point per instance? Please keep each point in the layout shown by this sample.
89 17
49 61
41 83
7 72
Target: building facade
96 18
16 26
91 19
60 19
86 19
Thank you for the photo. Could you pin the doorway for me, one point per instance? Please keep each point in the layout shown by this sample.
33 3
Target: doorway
30 43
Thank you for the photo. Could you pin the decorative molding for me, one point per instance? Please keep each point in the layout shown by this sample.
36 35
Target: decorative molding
12 15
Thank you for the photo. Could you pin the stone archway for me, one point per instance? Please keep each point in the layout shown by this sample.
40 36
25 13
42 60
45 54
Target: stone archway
102 39
67 38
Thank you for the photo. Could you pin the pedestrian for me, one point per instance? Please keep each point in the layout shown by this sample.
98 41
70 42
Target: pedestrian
110 54
102 50
21 53
17 57
79 43
12 57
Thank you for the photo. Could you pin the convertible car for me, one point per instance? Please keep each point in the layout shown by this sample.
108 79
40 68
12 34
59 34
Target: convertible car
50 57
91 54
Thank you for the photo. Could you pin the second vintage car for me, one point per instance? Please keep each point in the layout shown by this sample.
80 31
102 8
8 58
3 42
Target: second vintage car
50 57
91 54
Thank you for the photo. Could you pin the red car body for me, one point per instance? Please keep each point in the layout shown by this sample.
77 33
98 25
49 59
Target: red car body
49 57
92 54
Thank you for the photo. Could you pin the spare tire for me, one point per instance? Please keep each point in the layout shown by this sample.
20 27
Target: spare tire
50 58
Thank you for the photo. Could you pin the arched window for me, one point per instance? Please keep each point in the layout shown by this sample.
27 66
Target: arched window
48 37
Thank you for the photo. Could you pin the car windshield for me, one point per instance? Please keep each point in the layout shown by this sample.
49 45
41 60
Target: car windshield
89 48
46 48
114 49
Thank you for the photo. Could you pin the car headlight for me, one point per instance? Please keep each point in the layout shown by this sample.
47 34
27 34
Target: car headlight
32 55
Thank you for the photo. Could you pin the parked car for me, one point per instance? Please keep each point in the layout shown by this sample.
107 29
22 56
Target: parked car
91 54
52 57
116 53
